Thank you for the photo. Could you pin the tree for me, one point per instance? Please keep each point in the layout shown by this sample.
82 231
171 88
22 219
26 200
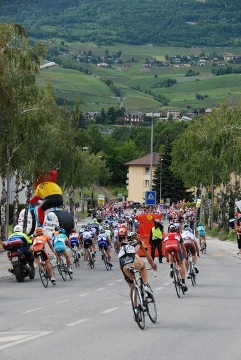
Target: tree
172 187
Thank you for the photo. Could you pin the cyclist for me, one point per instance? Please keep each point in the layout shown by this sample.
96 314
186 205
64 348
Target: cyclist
174 242
128 257
191 245
60 242
201 234
88 240
104 242
74 239
39 244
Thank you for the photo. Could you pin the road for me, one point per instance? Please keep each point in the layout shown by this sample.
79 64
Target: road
91 317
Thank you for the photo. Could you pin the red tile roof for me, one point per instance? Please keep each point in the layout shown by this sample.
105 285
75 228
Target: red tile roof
145 160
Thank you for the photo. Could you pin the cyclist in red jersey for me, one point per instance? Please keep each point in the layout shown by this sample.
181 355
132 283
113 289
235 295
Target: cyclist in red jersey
174 242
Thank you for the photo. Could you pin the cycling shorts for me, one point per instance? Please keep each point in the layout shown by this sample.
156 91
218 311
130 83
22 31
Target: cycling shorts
190 246
43 254
104 244
138 264
59 246
170 245
87 243
74 242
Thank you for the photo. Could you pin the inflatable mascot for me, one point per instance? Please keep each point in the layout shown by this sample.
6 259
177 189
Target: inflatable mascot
47 212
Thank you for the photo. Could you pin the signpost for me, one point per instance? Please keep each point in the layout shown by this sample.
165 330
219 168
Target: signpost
151 198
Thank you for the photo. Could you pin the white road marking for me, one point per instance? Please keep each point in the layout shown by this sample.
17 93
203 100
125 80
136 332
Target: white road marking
159 288
61 302
18 339
167 284
109 310
84 295
120 280
29 311
77 322
111 284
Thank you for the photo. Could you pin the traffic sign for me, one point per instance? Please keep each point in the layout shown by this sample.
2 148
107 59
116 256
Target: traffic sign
150 197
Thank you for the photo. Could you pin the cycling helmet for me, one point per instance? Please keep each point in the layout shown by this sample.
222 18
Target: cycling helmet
57 227
102 231
185 226
172 228
61 231
39 231
199 224
17 228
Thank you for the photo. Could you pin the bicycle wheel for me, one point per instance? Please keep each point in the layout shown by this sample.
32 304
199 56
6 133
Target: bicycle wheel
91 260
176 281
106 261
62 268
151 308
76 258
137 307
192 274
70 274
44 276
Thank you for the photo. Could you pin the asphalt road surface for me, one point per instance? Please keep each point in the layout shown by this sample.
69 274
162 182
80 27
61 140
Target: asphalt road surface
90 317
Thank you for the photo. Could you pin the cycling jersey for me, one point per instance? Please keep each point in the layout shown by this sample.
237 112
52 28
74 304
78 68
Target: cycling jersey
74 239
59 243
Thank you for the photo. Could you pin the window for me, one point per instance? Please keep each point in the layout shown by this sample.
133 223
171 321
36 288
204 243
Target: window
147 170
146 183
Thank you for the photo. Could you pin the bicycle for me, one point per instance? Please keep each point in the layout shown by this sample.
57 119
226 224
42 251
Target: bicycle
142 303
62 266
191 270
203 245
43 272
91 258
105 259
76 255
177 276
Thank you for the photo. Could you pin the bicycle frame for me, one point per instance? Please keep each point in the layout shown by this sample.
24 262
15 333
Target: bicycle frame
141 302
176 276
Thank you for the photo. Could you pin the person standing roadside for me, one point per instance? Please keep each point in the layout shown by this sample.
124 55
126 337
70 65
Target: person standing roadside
238 230
155 240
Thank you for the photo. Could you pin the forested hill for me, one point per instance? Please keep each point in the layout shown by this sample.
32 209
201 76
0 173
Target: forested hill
157 22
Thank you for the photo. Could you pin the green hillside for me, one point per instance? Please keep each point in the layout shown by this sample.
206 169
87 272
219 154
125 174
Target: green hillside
158 22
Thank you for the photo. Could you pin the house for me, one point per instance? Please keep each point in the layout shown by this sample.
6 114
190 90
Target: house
139 176
48 65
91 115
133 118
174 113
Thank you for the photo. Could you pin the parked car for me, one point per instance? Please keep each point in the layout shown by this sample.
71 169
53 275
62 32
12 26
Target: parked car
136 205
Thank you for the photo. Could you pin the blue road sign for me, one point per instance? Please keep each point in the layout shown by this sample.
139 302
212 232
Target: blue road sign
150 197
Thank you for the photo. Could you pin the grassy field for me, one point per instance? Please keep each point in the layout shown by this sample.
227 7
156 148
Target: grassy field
95 95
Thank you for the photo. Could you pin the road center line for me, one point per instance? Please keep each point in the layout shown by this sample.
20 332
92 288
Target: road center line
61 302
100 289
77 322
109 310
83 295
29 311
159 288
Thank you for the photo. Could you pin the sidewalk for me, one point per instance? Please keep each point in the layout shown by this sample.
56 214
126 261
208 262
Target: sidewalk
5 263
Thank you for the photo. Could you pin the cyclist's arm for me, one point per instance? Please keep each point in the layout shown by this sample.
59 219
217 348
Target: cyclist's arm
51 246
148 256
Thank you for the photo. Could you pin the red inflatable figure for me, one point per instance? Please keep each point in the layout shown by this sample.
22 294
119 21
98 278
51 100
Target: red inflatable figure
47 190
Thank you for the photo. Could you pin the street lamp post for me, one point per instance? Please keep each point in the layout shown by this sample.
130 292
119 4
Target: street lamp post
161 181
